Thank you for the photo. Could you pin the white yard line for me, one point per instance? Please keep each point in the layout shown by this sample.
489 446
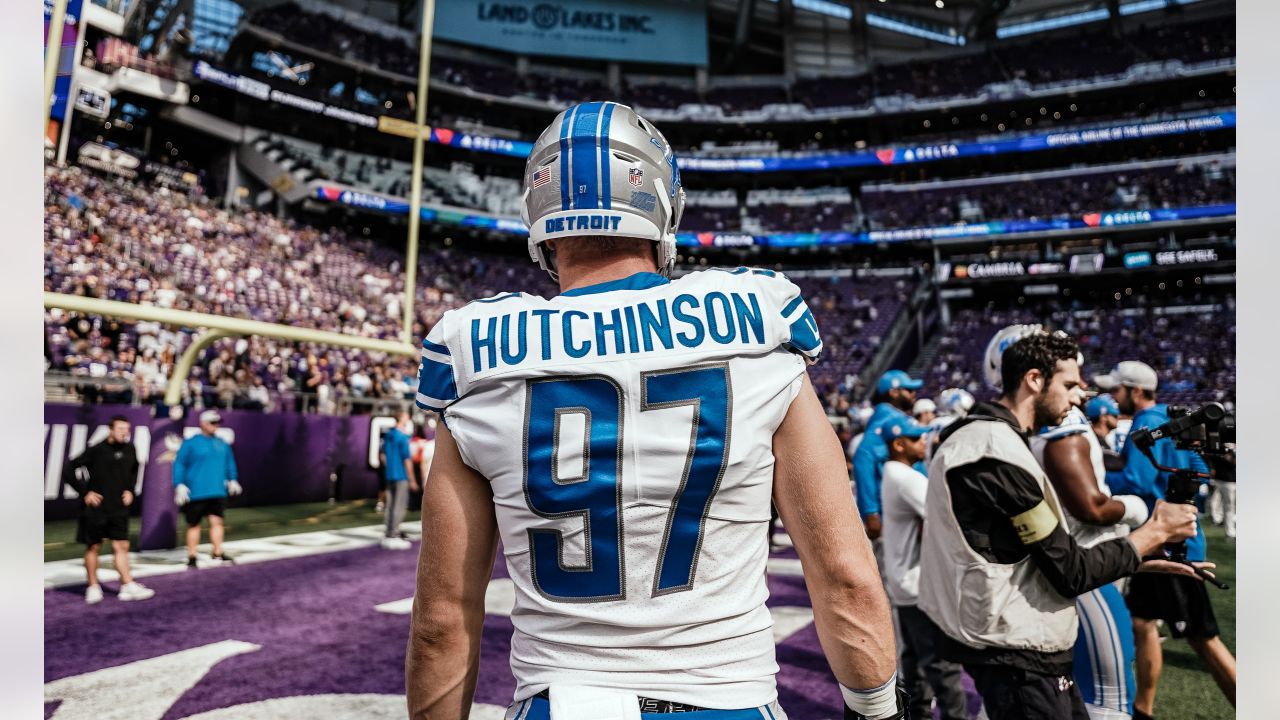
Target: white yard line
149 563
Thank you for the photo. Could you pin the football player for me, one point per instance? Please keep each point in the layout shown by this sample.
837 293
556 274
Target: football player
624 439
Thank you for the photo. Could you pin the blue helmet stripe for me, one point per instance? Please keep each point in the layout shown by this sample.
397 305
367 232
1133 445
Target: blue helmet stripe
566 171
606 195
584 142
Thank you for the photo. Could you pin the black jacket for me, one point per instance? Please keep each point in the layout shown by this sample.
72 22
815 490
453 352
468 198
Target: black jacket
107 469
985 496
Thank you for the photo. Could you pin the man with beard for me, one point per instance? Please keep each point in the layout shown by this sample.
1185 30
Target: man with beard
999 571
1183 603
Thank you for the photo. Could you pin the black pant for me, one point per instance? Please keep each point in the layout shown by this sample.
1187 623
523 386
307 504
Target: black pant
1013 694
924 672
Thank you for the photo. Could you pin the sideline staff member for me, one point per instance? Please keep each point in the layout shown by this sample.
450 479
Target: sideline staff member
999 572
204 473
896 393
1183 603
104 476
924 673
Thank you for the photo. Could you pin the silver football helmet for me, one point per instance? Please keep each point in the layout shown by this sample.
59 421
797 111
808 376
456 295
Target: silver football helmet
1001 341
993 364
601 169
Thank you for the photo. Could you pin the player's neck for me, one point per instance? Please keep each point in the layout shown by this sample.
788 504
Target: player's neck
593 271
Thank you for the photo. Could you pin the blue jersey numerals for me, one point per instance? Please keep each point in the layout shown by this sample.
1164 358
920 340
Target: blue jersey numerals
596 496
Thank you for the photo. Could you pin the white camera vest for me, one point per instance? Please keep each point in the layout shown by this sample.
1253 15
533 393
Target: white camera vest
975 601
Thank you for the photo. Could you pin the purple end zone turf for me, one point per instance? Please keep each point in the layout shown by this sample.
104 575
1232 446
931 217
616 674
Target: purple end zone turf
315 620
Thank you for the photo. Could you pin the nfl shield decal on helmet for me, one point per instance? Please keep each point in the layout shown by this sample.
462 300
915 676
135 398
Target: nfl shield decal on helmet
635 176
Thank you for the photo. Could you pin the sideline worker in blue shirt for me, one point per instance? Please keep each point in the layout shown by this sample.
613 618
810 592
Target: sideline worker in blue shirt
400 479
204 473
1181 602
895 397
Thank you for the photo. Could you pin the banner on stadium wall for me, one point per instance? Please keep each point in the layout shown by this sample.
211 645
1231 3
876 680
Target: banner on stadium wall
66 54
382 203
931 153
282 458
658 31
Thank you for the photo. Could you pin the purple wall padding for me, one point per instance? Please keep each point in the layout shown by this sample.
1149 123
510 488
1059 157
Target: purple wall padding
281 458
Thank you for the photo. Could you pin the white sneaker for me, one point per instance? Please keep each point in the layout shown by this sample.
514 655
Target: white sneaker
93 594
136 591
395 544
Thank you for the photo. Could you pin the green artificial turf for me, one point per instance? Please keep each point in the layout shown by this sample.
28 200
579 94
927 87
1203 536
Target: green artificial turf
1186 691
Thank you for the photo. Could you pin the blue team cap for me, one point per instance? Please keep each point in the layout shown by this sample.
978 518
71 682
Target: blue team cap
903 427
1101 405
897 379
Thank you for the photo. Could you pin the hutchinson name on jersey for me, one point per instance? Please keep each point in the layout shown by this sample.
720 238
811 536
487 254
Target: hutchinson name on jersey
626 431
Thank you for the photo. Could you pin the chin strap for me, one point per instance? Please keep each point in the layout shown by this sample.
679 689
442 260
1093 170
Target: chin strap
887 702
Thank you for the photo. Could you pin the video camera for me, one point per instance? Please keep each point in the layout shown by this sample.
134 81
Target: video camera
1209 431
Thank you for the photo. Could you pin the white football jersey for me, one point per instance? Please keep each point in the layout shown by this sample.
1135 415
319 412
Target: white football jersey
1076 423
626 430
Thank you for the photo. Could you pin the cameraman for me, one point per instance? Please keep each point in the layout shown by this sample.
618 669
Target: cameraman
999 571
1183 603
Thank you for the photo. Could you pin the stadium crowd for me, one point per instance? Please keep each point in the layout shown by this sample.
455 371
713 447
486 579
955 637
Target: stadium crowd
1193 351
112 239
1052 197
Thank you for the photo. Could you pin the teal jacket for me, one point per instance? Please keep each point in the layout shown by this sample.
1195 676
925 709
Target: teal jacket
204 464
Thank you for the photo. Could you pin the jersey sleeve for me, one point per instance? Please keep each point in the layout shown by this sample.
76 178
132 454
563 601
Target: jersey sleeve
788 303
437 388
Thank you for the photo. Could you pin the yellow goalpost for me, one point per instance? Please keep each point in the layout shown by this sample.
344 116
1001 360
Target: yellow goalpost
216 327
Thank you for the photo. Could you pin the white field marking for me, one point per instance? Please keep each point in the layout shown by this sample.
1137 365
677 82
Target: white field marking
150 563
142 690
499 598
789 620
334 706
784 566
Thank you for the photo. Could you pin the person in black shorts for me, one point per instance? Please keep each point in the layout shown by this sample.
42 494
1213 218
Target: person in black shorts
1182 605
103 476
204 473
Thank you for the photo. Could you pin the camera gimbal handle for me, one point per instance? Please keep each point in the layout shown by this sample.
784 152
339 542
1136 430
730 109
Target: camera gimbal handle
1143 439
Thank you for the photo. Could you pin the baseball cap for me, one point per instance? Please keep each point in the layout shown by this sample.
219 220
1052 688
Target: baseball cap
210 416
924 405
1101 405
1130 372
897 379
903 427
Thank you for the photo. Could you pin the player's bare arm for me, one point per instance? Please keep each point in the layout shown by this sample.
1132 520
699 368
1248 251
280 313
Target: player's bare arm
811 490
458 546
1066 460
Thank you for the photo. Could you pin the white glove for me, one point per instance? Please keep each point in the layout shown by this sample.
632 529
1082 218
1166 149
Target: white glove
181 494
1135 510
233 488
